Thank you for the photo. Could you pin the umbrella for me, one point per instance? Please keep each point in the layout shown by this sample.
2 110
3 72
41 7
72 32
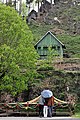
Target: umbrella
46 93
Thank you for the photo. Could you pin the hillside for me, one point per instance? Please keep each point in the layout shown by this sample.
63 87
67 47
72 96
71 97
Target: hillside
63 20
62 77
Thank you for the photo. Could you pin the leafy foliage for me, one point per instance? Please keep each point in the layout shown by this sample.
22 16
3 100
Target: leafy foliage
17 54
72 44
24 10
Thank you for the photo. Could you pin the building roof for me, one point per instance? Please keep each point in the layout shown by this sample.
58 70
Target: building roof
52 36
33 11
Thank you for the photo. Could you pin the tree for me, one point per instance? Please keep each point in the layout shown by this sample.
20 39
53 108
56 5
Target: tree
52 54
17 53
38 2
24 10
55 1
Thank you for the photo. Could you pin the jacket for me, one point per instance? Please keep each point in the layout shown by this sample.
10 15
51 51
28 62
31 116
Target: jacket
41 100
50 101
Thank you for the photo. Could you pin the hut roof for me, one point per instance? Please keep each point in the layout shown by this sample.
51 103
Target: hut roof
52 36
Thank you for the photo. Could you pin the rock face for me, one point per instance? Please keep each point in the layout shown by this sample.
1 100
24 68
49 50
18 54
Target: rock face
64 14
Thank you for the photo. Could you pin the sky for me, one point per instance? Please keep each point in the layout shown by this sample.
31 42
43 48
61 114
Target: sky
33 5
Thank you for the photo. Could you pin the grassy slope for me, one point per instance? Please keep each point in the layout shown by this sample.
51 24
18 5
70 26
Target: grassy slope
71 42
69 16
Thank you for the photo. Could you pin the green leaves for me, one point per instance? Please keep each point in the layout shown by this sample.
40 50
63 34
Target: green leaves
17 54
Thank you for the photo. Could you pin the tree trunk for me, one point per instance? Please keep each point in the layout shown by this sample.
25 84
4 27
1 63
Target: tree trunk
51 3
15 4
20 7
38 9
55 1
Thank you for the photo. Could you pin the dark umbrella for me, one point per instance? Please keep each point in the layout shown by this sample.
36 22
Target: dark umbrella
46 94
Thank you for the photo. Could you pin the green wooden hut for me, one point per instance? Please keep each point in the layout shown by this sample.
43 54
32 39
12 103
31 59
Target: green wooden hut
49 40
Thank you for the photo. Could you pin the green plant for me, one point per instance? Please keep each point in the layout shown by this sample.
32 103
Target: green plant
17 53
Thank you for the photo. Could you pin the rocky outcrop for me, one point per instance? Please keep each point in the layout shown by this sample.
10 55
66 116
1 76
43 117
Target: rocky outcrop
64 15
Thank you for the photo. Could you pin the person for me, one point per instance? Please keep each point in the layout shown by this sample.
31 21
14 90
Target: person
45 109
41 106
50 104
